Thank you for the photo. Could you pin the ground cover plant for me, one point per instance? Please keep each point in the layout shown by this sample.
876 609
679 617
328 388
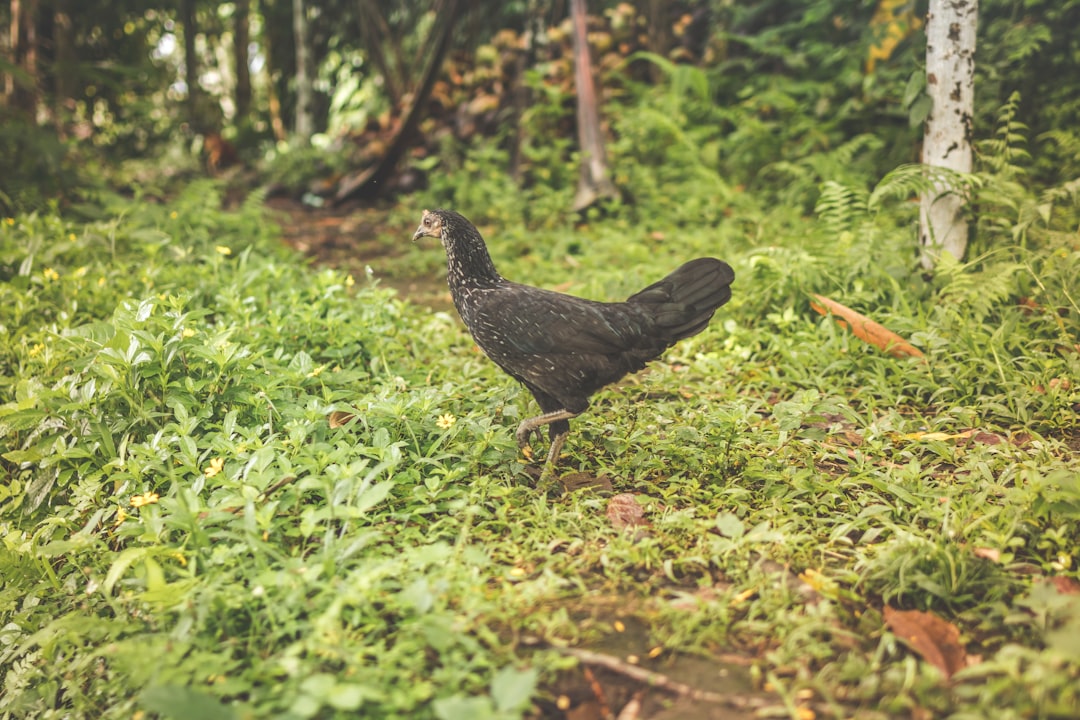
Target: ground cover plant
238 485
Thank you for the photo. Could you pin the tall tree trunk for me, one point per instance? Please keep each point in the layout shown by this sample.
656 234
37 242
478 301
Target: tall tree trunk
658 35
373 180
63 65
20 84
191 68
305 90
521 95
241 40
276 60
595 182
14 36
950 81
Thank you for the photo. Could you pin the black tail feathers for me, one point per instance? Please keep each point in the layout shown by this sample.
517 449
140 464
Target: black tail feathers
683 302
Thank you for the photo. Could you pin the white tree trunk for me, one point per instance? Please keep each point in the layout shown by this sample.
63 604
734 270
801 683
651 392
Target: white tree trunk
950 82
305 92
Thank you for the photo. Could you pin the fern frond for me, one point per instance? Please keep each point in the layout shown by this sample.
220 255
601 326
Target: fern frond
913 180
839 207
1002 152
975 293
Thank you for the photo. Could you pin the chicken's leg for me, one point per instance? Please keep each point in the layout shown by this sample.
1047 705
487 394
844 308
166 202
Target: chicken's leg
529 425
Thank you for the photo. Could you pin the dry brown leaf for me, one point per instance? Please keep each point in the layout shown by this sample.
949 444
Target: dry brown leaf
991 554
339 418
1066 585
624 511
937 640
573 482
866 329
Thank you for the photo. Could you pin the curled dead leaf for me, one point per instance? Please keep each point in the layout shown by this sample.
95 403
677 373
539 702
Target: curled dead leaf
935 639
338 418
866 329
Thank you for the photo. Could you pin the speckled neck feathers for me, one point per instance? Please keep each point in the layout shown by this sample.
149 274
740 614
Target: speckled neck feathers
468 264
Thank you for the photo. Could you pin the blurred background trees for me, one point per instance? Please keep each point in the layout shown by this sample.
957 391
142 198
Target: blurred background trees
761 91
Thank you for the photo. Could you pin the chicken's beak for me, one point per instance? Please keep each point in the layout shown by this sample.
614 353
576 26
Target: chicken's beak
419 233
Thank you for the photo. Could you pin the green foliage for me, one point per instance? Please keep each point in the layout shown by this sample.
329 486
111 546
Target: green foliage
297 169
171 469
37 166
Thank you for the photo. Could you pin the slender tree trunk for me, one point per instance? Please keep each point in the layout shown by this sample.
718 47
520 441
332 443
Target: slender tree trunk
374 178
63 65
305 90
950 81
659 35
13 46
522 97
20 84
191 68
595 182
241 40
276 58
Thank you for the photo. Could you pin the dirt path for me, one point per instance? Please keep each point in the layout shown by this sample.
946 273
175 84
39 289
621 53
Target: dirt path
357 237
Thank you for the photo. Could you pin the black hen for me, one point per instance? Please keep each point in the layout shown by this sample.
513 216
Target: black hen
564 348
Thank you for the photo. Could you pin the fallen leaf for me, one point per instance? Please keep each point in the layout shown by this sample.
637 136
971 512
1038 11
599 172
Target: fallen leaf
991 554
937 436
866 329
573 482
1066 585
937 640
624 512
338 418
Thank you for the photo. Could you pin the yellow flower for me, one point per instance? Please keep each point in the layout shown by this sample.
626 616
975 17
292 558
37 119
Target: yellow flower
50 274
36 349
9 221
173 215
188 332
148 498
446 421
121 516
350 281
223 249
71 237
317 371
81 271
101 281
215 467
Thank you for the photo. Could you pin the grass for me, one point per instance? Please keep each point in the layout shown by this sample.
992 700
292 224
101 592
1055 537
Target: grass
185 535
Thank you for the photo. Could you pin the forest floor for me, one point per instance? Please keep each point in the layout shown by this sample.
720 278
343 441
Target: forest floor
776 520
352 238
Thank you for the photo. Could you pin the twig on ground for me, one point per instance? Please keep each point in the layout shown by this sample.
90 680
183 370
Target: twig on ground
659 680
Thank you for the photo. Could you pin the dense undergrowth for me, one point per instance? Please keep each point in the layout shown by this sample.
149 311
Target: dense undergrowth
185 532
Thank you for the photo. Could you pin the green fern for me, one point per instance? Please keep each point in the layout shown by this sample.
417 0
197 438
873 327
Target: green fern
975 294
915 180
840 207
1002 152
